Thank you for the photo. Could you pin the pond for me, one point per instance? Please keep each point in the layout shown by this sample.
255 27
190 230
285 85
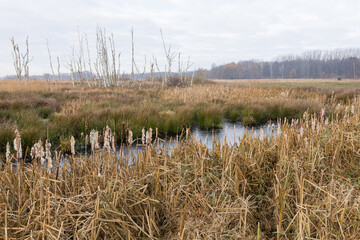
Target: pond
230 132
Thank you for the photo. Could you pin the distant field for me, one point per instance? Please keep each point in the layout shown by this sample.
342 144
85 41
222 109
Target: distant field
291 83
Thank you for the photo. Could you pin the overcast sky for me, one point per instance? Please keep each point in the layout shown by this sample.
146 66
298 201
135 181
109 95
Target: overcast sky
209 31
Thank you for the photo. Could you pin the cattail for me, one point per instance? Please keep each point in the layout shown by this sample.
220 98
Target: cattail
113 142
130 137
17 144
305 115
313 124
94 140
107 138
32 152
86 141
7 152
143 136
48 154
41 152
322 113
156 133
261 134
37 151
326 121
149 136
72 143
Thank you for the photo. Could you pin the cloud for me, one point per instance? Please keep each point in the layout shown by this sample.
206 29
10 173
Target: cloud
210 31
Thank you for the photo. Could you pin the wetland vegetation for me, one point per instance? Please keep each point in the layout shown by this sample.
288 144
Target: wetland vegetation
300 182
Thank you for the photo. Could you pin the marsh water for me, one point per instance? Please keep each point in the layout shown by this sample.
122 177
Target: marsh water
230 133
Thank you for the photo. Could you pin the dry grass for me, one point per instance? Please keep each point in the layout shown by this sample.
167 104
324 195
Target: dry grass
303 183
33 85
57 112
293 83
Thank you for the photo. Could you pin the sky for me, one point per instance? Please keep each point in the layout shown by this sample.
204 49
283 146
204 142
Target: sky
209 31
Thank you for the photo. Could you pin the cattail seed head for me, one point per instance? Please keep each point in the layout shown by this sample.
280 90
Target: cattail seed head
305 115
17 144
7 152
130 137
326 121
149 136
37 152
72 144
113 142
301 132
322 113
107 138
94 140
261 134
143 136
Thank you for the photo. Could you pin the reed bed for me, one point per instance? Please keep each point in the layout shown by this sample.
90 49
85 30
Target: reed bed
57 112
301 181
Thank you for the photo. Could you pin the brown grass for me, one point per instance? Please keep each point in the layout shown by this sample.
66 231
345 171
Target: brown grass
300 184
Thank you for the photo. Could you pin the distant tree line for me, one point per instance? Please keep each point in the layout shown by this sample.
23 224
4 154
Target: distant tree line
339 63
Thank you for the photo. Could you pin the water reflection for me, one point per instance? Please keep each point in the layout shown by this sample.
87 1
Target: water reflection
231 133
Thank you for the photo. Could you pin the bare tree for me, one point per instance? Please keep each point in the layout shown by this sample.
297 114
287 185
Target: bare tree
21 61
58 68
152 73
168 53
188 66
140 74
50 60
92 77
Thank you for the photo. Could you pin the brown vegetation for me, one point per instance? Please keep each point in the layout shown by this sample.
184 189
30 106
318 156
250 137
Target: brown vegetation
60 111
300 182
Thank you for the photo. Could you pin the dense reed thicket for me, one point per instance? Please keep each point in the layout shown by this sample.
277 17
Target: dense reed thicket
59 112
302 181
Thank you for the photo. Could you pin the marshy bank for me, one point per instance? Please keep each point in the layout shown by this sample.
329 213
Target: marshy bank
303 183
56 113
